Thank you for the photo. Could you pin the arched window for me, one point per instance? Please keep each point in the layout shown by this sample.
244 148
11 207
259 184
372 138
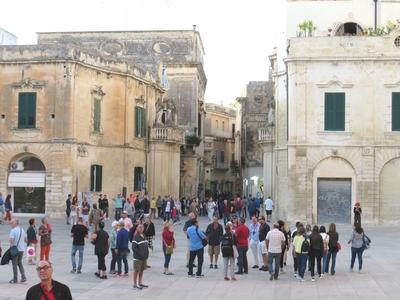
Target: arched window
348 29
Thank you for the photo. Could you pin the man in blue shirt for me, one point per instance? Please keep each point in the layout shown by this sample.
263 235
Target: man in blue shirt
122 248
118 205
254 240
196 248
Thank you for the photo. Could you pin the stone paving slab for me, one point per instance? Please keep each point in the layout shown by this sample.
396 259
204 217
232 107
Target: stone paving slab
379 280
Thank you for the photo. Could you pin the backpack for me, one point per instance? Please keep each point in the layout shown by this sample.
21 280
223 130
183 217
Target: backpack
305 246
366 241
226 246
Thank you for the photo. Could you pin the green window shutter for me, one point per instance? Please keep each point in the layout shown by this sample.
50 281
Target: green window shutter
396 111
92 177
140 122
144 125
137 178
26 110
334 111
97 115
137 121
96 178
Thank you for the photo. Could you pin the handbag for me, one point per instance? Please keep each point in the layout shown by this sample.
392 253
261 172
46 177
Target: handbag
168 249
14 249
338 247
204 242
366 241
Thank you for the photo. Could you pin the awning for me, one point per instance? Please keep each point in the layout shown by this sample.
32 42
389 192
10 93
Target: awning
26 179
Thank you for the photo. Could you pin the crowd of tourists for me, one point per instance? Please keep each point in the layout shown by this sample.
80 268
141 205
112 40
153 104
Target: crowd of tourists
313 248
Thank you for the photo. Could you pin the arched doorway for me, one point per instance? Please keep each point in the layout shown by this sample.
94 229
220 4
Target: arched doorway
26 178
390 191
349 29
334 182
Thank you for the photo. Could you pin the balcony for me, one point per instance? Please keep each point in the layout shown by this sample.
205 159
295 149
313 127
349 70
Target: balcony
221 166
168 134
266 135
235 166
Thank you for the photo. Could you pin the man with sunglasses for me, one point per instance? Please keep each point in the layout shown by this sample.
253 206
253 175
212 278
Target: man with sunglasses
47 289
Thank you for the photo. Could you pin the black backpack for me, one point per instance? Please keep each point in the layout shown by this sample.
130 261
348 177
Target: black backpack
226 246
305 246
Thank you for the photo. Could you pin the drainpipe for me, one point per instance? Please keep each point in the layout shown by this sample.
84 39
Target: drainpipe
376 14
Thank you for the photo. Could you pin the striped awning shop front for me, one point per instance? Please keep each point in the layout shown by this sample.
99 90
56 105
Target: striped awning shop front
26 179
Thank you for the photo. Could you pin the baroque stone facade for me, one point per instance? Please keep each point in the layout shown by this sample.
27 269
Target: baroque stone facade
83 116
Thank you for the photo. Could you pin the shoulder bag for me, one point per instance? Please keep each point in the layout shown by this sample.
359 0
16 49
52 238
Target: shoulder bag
14 249
204 242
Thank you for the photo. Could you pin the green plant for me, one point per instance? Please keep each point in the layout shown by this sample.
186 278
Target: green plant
193 140
307 28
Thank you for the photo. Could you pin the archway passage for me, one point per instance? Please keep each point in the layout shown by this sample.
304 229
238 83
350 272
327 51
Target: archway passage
349 29
390 191
27 180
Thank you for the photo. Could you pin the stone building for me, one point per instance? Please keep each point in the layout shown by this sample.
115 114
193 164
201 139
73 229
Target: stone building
72 121
176 57
222 174
255 121
337 91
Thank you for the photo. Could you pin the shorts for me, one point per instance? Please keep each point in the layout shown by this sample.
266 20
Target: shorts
269 212
263 248
214 250
85 218
139 265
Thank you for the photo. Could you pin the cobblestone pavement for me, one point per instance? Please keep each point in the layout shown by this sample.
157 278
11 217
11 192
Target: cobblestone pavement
379 280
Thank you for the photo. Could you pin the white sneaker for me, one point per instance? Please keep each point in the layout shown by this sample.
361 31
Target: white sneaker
295 275
312 279
360 271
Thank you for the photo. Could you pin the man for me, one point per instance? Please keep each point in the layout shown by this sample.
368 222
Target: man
196 248
145 205
48 288
242 240
85 209
122 248
140 254
78 233
68 207
188 223
295 263
105 207
252 206
118 205
126 220
159 203
214 234
95 217
238 206
269 206
263 231
245 204
18 239
275 241
254 240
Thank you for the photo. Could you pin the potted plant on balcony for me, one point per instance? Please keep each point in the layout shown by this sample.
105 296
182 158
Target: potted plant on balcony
193 140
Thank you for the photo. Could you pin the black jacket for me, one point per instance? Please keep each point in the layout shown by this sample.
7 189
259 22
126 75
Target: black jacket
263 231
214 235
149 229
61 292
140 248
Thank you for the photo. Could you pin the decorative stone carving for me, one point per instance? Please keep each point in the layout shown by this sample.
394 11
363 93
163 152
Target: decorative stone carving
29 83
166 113
367 151
337 82
82 151
112 47
98 90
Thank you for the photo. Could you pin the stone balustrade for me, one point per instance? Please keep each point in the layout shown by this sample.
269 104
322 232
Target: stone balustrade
168 134
266 135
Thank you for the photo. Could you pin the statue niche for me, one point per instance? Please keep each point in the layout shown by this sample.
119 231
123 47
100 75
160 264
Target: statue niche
166 113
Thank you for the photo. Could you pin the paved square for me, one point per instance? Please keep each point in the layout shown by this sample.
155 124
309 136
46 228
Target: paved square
380 279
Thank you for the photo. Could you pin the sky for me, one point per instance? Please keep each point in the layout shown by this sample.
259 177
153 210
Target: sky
238 36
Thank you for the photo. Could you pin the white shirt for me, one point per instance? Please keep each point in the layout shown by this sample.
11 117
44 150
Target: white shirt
14 234
275 238
269 204
168 206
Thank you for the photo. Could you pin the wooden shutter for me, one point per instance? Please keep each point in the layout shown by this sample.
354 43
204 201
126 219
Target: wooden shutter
26 110
143 119
97 115
92 179
137 121
396 111
96 178
335 111
137 180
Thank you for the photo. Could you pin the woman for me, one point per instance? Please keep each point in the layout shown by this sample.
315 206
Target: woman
333 248
168 245
112 237
8 208
357 246
153 206
357 213
210 209
74 210
316 249
149 232
95 217
101 245
325 240
45 239
32 240
286 248
228 242
300 252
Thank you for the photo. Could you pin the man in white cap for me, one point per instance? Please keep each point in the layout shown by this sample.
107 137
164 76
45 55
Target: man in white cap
127 221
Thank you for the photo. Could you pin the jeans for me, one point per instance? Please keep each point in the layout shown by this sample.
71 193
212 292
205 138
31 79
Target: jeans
167 257
101 263
324 259
315 255
328 258
271 258
302 262
114 259
295 261
255 250
226 218
73 252
242 259
200 257
122 254
359 253
17 262
167 216
229 261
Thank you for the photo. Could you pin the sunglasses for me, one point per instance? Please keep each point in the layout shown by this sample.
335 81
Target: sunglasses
43 268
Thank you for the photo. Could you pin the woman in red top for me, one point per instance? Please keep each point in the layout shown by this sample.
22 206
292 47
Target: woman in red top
168 243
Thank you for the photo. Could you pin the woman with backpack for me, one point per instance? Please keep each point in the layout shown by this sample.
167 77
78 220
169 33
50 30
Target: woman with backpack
325 240
357 246
301 247
334 247
228 241
316 249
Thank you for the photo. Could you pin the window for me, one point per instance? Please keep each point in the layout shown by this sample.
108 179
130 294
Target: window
223 125
335 111
199 124
222 156
216 124
233 130
396 111
27 110
97 115
140 122
96 178
138 178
